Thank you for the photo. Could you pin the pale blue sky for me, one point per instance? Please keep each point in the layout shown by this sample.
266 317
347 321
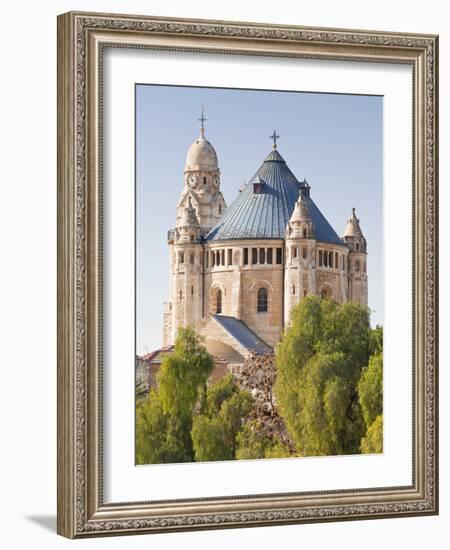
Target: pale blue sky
333 140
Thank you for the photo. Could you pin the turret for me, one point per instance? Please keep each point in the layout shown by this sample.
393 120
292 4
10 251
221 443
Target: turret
188 228
300 224
357 261
300 253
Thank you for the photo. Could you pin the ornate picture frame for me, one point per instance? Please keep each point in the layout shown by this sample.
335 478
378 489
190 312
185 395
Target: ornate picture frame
82 38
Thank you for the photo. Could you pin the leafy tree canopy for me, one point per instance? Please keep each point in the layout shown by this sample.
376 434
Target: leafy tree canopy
183 374
372 442
254 442
214 432
319 363
370 388
164 419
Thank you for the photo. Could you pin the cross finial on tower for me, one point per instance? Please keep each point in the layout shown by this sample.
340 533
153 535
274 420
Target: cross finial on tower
202 119
274 136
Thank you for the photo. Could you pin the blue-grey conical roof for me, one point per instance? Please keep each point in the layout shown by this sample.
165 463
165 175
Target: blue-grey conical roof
264 206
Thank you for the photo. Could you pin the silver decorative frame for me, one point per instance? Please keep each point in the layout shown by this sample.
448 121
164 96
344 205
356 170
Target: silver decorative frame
81 37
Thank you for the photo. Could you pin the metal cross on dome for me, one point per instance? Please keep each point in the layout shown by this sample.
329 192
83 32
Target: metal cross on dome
274 136
202 119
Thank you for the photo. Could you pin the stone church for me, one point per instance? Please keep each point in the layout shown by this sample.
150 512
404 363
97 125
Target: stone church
237 271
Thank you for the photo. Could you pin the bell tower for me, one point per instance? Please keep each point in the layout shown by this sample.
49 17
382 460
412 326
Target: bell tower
202 182
200 207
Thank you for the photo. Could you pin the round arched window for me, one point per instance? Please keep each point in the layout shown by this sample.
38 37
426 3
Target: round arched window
262 300
325 292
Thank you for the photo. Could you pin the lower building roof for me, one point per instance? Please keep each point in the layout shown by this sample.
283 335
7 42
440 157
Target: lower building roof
244 335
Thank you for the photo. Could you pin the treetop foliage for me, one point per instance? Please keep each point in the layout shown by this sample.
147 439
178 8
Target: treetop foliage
320 394
319 363
214 432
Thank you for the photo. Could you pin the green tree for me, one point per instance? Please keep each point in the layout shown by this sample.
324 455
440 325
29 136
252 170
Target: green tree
372 442
164 420
214 431
253 442
160 437
370 389
319 363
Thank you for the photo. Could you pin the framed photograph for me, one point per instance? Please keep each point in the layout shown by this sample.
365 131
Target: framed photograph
247 282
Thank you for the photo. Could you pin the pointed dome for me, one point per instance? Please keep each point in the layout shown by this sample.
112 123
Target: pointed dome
201 155
188 217
353 229
265 204
301 211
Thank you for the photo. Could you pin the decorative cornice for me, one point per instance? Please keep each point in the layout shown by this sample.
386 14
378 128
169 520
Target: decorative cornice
238 30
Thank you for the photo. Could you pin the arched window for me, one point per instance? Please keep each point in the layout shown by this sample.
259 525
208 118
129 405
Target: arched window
262 300
216 301
220 209
330 259
293 289
357 247
325 292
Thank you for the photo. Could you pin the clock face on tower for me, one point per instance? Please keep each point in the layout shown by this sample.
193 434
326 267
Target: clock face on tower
192 180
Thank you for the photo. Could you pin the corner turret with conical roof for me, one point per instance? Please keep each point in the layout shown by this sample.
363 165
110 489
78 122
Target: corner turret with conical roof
300 224
300 253
357 260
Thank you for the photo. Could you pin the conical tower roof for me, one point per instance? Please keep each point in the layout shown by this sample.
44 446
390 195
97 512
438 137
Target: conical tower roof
353 228
188 217
301 211
264 206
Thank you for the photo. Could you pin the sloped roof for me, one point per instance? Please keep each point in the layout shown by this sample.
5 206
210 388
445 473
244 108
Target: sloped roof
265 214
240 332
157 355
